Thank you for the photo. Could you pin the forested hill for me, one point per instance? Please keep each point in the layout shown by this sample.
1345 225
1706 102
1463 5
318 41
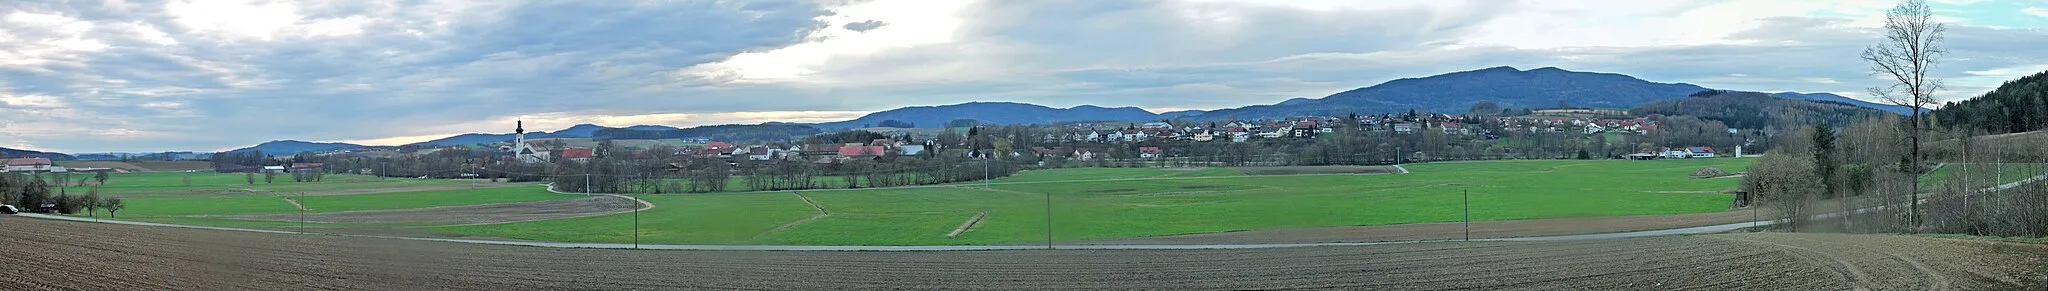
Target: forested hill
2020 105
714 132
1752 110
7 153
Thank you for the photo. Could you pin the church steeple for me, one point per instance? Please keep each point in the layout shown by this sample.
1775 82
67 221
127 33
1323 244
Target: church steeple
520 127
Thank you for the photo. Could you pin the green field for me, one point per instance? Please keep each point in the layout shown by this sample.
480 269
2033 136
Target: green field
144 207
172 184
1980 175
164 196
1157 202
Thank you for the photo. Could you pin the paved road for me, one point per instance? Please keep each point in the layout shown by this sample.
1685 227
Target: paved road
1681 231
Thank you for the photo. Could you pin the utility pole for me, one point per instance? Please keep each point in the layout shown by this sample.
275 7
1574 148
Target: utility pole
302 212
1468 215
1048 220
586 184
984 171
636 220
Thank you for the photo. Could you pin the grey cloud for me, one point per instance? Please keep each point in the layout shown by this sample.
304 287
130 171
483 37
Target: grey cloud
618 57
865 25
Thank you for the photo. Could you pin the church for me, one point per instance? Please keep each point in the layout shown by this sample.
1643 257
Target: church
523 151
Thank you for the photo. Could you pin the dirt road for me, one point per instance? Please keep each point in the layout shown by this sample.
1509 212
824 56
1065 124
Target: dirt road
62 255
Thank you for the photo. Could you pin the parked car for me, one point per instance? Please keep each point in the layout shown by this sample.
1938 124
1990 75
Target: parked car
9 209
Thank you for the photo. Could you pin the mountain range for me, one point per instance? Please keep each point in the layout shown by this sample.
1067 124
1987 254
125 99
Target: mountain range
7 153
293 147
997 112
1546 87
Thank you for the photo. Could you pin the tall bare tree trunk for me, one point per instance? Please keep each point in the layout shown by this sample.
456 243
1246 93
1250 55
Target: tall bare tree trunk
1912 43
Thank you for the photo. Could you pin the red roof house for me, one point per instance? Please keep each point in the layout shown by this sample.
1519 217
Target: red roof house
718 147
28 162
855 151
578 153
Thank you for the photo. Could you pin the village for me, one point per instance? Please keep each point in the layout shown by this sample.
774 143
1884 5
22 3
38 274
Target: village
1093 141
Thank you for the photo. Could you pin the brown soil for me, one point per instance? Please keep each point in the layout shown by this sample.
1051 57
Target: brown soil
471 214
87 256
1302 170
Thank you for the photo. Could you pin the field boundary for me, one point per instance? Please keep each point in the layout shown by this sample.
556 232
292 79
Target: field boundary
971 221
814 204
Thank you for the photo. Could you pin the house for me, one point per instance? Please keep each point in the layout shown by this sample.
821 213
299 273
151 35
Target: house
1406 127
1047 152
1084 155
761 154
1204 136
1699 152
862 151
31 165
910 149
820 150
1670 153
1149 152
718 147
578 153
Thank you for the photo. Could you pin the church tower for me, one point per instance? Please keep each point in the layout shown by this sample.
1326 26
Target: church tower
519 133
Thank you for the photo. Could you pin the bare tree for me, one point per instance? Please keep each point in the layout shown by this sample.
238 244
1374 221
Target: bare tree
112 204
1912 44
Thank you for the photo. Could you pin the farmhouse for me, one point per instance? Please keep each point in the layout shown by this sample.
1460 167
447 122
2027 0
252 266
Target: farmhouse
1699 152
31 165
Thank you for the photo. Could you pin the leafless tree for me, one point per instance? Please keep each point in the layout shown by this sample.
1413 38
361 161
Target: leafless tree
1911 47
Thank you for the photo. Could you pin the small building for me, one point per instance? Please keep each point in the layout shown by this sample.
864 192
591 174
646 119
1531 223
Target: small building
1149 152
273 169
1699 152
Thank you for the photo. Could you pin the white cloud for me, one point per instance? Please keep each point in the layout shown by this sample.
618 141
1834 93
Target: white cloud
2036 11
906 23
240 18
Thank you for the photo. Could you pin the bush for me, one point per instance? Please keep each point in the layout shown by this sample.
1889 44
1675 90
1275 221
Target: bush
1709 172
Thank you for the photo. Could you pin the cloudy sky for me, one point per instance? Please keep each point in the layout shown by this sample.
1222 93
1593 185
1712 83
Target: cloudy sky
134 75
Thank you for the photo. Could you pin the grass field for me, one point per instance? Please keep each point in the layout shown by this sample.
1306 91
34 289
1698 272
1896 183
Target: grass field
143 207
172 184
1981 175
1160 204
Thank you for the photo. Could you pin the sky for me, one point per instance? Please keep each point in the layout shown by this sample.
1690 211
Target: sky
84 76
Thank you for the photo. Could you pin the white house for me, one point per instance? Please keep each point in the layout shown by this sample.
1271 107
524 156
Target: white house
1699 152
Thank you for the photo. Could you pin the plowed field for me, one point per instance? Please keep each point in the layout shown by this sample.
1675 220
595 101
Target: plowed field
85 256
